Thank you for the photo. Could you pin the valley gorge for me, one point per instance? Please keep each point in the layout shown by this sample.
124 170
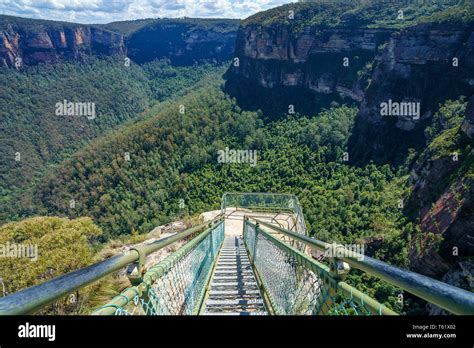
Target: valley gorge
47 42
301 85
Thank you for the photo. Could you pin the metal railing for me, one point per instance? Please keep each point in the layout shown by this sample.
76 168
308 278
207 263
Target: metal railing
36 297
292 282
270 202
448 297
176 285
295 284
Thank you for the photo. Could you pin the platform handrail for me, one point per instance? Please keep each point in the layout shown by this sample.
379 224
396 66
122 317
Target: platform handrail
145 289
292 205
329 286
31 299
446 296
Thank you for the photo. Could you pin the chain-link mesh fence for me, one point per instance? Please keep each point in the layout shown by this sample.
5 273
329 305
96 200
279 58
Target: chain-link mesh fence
294 284
176 285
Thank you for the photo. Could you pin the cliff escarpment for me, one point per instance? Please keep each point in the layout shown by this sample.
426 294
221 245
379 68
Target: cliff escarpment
182 41
31 42
442 198
426 64
312 55
324 64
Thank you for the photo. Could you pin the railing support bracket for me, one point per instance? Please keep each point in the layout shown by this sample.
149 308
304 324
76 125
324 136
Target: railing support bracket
136 270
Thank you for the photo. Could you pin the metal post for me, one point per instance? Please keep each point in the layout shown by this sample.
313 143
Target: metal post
338 271
256 241
446 296
33 298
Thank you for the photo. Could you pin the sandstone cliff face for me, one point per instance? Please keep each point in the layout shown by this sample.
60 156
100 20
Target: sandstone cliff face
415 64
312 58
445 208
182 41
425 64
49 44
468 123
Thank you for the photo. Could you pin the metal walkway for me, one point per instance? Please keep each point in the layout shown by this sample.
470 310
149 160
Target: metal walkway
233 288
250 259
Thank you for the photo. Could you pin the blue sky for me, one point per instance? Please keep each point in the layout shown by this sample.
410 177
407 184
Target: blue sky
104 11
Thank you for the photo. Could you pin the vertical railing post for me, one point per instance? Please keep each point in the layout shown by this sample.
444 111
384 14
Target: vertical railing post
257 225
338 271
211 243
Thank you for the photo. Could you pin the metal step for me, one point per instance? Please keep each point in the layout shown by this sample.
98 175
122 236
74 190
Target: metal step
234 262
225 273
232 297
234 309
235 313
248 283
237 302
233 292
233 269
227 285
246 267
220 278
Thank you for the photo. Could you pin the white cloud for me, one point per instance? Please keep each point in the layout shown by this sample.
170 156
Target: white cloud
104 11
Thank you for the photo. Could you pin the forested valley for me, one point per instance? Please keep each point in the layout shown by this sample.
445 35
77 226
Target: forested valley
149 157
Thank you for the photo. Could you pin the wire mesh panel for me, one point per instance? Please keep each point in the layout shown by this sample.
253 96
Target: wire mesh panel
344 304
295 284
292 288
249 238
176 285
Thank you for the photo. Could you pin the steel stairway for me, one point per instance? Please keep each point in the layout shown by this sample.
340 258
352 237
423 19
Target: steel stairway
233 289
210 273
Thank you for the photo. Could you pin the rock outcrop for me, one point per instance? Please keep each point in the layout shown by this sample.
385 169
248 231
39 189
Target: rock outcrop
424 64
183 41
444 206
51 42
313 58
468 123
327 64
